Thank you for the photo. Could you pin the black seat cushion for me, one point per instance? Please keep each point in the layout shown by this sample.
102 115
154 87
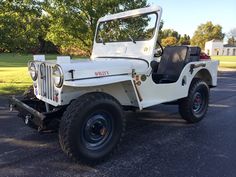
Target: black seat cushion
172 62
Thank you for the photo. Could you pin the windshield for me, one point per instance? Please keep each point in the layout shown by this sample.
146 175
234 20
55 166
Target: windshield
138 28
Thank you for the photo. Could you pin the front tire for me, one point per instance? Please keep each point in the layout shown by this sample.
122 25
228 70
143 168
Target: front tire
193 108
92 127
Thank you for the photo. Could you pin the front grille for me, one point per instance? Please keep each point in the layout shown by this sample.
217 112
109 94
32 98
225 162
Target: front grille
45 80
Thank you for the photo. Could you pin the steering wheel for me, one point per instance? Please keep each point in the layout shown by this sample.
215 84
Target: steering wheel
159 52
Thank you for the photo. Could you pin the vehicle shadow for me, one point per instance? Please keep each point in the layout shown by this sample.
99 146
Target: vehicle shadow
153 116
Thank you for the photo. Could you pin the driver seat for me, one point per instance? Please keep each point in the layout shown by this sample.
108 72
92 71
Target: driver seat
172 62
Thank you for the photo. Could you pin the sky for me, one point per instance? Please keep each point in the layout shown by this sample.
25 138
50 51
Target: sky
185 16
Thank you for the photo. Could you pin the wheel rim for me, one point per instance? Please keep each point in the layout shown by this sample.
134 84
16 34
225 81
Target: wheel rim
97 130
198 102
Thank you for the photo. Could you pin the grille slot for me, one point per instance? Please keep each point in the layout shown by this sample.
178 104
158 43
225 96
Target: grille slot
46 81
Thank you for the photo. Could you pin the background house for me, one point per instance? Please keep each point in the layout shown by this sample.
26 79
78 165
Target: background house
217 47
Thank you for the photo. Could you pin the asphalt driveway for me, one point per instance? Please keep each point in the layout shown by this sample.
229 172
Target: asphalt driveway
157 143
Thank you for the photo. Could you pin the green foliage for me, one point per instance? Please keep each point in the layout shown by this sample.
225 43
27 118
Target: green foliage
172 37
184 40
27 25
232 37
20 25
132 28
206 32
169 41
73 23
170 33
160 32
232 41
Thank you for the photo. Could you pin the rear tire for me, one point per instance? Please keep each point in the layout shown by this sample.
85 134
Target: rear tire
194 107
92 128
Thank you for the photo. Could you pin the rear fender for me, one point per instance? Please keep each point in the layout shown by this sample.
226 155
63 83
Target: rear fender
208 73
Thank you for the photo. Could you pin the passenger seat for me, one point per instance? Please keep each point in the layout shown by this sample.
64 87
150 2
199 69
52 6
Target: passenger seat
195 53
172 62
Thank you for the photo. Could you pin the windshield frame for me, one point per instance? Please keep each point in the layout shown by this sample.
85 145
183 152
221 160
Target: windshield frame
132 16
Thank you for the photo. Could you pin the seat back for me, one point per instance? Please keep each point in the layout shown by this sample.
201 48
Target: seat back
172 62
195 53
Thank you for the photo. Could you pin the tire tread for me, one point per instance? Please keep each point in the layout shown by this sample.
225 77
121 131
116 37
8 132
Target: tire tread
68 119
185 106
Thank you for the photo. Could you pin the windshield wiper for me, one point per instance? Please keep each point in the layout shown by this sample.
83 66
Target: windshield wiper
131 39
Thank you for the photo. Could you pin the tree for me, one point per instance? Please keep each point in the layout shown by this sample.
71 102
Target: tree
184 40
73 23
169 37
232 41
160 32
169 41
20 25
232 37
206 32
26 24
170 33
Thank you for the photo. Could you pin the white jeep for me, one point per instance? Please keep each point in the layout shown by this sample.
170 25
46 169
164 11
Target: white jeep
86 99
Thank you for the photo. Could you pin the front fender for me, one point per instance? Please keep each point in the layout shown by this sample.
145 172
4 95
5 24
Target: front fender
97 81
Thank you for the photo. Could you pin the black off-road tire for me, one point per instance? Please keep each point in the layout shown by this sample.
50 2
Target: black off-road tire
80 126
194 107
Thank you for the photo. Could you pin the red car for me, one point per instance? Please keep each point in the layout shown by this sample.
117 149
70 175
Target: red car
204 56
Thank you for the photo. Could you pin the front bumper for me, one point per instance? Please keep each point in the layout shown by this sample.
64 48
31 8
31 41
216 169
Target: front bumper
29 111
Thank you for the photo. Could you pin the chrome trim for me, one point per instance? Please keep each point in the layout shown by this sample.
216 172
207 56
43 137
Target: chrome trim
32 64
59 85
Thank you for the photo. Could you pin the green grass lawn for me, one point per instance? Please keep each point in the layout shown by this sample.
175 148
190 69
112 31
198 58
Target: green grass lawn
226 61
18 60
13 80
14 77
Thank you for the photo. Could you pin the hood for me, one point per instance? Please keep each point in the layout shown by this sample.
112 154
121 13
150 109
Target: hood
102 67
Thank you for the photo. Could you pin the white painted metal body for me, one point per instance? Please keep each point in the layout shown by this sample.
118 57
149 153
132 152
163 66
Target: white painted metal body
122 69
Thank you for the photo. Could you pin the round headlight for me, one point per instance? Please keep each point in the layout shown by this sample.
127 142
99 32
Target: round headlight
33 71
58 76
